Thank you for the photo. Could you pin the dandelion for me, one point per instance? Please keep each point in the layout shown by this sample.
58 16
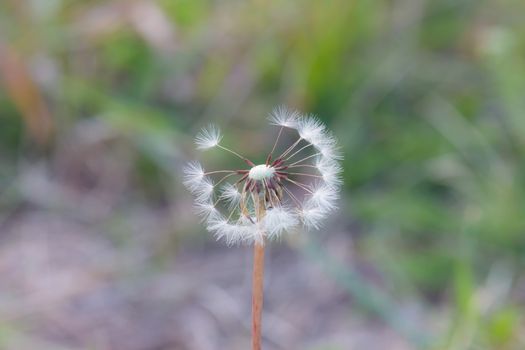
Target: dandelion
304 178
298 186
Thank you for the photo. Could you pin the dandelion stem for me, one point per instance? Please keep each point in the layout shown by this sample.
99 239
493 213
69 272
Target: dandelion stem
257 294
258 283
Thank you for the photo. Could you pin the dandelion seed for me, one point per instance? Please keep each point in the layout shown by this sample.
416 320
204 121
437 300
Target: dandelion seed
205 191
208 137
207 210
284 117
193 175
279 220
312 215
323 197
312 130
330 170
231 195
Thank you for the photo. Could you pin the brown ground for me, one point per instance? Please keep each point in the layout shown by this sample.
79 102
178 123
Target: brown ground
67 285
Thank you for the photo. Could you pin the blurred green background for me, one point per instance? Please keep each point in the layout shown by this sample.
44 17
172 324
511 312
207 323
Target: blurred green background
99 102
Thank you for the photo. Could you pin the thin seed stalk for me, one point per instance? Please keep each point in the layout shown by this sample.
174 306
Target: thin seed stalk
258 283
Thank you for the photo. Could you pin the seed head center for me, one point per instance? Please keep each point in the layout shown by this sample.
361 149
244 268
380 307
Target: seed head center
261 172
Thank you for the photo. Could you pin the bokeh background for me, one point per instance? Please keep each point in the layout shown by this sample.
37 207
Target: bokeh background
99 102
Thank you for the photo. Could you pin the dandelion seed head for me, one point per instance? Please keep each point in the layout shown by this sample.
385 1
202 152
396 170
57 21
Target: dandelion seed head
261 172
262 202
